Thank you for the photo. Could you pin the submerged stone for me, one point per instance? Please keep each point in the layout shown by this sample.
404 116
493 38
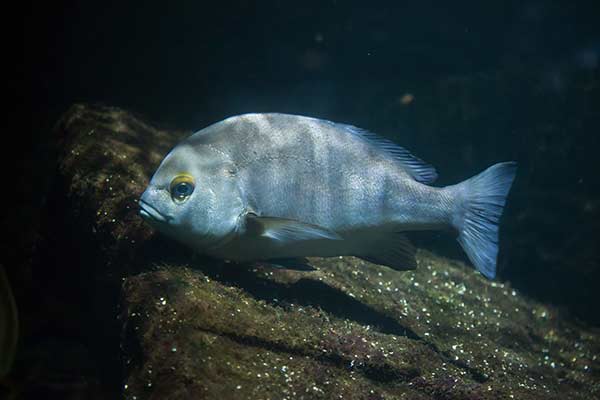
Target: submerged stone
194 327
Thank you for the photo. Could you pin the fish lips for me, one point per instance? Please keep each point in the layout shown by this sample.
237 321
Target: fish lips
151 214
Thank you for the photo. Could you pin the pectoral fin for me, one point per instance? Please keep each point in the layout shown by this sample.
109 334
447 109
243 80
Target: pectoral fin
287 230
394 251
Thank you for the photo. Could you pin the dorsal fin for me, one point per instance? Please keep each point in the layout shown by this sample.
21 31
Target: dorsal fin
418 169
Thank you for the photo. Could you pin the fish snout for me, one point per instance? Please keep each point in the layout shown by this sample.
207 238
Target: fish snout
148 211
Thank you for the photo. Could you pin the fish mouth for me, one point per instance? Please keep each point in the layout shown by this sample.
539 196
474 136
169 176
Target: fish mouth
150 213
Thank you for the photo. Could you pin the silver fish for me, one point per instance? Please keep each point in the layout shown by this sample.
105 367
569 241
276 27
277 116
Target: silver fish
280 187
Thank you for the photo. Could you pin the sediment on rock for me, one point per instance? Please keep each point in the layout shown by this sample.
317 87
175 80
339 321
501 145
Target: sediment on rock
194 327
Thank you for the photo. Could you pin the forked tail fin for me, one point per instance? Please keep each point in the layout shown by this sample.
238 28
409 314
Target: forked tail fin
478 214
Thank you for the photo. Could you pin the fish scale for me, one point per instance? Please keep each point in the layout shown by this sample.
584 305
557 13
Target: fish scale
279 186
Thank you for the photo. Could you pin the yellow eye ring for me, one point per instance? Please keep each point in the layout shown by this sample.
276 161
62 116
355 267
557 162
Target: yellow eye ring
182 187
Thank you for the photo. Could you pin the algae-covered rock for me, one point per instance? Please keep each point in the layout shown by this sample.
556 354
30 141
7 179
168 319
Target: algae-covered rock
194 327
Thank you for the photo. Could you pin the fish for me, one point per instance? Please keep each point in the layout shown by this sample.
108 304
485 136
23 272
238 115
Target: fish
277 188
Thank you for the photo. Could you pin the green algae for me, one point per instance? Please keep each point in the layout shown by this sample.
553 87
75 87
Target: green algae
198 328
233 343
228 339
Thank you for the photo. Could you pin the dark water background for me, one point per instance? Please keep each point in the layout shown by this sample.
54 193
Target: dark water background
462 84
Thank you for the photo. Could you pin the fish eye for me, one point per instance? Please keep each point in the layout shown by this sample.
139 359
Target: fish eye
182 187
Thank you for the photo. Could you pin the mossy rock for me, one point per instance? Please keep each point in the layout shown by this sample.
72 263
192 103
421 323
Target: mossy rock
194 327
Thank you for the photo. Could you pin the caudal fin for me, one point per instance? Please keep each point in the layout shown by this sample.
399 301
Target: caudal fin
483 198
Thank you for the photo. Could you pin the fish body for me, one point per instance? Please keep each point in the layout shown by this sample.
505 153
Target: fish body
280 187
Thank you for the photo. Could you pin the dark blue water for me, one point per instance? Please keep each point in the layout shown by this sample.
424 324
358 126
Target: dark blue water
463 85
490 82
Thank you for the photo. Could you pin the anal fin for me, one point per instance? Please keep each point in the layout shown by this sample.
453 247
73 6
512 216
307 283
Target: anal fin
394 251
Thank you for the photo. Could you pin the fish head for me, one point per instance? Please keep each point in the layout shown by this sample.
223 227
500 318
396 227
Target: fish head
194 196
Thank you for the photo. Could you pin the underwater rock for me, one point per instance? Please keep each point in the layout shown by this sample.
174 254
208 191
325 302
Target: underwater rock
194 327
